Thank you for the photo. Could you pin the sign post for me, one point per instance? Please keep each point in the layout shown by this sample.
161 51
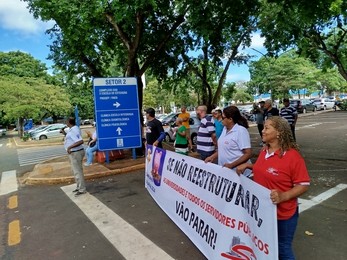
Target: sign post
117 113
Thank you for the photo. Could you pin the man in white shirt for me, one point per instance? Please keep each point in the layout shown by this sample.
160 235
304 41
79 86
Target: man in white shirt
74 146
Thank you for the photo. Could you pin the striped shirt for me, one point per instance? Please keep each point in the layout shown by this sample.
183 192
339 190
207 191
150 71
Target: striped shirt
289 113
204 139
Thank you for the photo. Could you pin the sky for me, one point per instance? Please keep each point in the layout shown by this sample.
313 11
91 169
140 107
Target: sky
19 31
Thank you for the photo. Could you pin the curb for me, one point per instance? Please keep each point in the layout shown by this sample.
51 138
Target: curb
71 179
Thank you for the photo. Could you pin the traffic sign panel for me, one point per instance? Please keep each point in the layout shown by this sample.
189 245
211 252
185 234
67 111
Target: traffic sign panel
117 113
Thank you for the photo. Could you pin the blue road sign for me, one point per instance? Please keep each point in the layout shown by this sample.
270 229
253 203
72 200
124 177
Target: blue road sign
117 113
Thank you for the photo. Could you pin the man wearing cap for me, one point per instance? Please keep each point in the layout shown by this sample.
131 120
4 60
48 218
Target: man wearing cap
290 114
154 130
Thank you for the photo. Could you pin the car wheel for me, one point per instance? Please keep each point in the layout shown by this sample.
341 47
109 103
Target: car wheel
167 138
304 110
324 108
43 137
194 138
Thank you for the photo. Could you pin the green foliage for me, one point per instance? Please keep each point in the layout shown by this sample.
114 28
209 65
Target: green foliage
20 64
318 30
229 91
27 90
242 96
287 72
31 98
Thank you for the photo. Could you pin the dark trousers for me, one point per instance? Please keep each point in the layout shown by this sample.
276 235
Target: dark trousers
292 127
260 129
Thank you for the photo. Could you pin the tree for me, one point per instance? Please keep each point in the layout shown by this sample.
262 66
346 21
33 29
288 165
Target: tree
27 90
319 30
234 21
90 36
24 98
242 96
279 75
21 64
229 91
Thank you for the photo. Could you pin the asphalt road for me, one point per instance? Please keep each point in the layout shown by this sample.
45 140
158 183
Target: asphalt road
52 226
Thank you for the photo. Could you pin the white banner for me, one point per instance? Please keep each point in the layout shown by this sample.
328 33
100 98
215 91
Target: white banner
225 215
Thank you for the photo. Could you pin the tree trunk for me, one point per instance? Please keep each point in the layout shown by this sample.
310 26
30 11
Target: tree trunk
20 126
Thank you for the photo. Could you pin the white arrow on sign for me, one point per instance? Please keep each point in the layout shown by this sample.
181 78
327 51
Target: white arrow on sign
119 130
116 104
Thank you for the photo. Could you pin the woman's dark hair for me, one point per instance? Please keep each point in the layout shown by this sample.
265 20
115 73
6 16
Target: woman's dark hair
72 121
234 113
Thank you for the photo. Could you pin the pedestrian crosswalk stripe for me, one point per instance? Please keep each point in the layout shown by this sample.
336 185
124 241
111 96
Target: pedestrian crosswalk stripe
123 236
8 182
30 156
306 204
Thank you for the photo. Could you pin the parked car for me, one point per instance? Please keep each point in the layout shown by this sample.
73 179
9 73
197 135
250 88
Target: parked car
194 124
308 105
87 122
160 117
50 131
247 112
303 105
324 103
32 131
169 119
3 131
296 103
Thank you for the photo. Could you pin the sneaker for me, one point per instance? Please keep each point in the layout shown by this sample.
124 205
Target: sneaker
87 164
75 190
79 193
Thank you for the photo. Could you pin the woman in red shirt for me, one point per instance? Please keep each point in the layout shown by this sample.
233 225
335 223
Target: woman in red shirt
281 168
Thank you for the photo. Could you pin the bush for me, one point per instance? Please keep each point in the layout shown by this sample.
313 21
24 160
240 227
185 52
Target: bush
25 137
343 105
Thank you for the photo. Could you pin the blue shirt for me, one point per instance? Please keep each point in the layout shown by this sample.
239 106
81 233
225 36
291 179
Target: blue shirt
219 127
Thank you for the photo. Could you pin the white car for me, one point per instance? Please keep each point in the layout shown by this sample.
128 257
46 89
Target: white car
3 131
194 124
324 103
51 131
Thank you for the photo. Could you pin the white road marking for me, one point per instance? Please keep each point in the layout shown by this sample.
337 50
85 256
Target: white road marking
30 156
123 236
307 126
306 204
8 182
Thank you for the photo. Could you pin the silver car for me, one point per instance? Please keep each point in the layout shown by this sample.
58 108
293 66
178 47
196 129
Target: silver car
50 131
324 103
194 124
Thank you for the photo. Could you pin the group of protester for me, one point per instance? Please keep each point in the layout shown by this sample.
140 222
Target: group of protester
224 138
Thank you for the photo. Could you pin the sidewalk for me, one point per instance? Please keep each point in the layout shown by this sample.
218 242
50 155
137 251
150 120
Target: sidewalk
58 170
